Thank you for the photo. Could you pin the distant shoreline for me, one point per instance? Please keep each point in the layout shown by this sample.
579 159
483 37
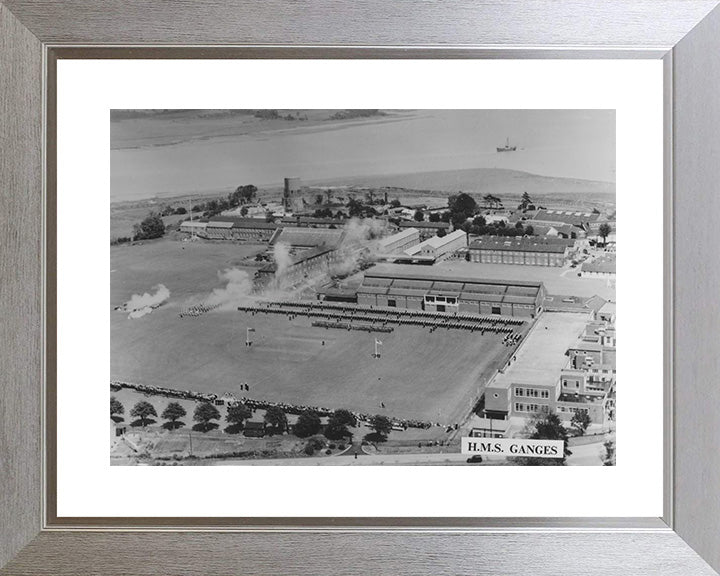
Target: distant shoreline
413 183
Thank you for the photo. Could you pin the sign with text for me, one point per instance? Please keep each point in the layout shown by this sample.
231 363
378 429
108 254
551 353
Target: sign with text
513 447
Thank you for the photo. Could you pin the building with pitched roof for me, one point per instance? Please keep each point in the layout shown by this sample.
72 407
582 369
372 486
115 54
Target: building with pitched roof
302 237
238 228
438 247
403 240
525 250
426 229
602 266
425 289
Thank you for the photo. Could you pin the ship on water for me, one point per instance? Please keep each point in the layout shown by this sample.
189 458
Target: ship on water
507 147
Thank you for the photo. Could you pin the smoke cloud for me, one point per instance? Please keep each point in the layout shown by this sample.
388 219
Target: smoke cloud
237 291
360 241
283 260
141 304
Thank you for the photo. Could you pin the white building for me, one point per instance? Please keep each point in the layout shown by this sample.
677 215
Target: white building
399 242
437 246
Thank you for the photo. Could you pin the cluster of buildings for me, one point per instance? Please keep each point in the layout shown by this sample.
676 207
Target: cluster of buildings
567 364
563 223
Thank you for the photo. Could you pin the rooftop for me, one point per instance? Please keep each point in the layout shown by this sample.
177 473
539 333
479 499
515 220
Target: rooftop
542 355
522 244
604 264
573 217
407 233
312 220
413 224
309 236
238 222
430 273
439 241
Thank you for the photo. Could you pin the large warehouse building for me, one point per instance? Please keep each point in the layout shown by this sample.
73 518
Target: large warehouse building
424 290
529 251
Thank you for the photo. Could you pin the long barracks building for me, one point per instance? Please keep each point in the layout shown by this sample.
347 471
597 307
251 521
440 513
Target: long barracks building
529 251
422 290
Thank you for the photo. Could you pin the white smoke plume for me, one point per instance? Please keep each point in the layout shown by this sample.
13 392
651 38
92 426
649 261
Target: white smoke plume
364 232
236 292
148 301
283 260
360 241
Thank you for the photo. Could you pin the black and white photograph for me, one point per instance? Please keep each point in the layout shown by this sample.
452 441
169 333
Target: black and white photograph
363 287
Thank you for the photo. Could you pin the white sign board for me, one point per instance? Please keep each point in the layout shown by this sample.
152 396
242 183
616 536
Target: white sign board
513 447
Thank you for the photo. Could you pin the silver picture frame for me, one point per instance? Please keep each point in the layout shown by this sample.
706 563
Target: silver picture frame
685 34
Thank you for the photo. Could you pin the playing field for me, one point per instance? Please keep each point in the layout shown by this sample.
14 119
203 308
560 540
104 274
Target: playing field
419 375
188 269
432 377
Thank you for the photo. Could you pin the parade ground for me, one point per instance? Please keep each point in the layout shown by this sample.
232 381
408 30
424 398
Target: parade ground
420 375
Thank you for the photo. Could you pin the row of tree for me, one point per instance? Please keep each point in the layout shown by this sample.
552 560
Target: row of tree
308 422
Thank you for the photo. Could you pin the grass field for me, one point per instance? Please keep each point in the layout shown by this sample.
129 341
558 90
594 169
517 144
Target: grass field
188 269
420 375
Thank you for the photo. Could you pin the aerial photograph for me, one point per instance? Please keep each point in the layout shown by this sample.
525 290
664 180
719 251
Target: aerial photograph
347 287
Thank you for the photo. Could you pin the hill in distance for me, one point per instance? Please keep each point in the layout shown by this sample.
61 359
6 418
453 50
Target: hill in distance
497 181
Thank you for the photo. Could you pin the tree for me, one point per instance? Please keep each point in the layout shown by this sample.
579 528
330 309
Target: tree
609 459
151 227
143 410
344 417
337 427
381 424
434 217
395 203
492 201
529 231
319 199
308 423
418 216
243 211
605 231
336 431
441 232
237 414
276 418
545 426
116 407
242 195
173 413
181 210
462 206
580 422
525 201
204 413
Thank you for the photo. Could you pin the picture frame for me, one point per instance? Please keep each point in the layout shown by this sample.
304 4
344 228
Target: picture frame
683 34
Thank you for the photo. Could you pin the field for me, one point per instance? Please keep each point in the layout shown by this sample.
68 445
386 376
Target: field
188 269
432 377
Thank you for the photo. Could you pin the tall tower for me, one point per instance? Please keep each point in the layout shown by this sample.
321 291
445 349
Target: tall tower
292 199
